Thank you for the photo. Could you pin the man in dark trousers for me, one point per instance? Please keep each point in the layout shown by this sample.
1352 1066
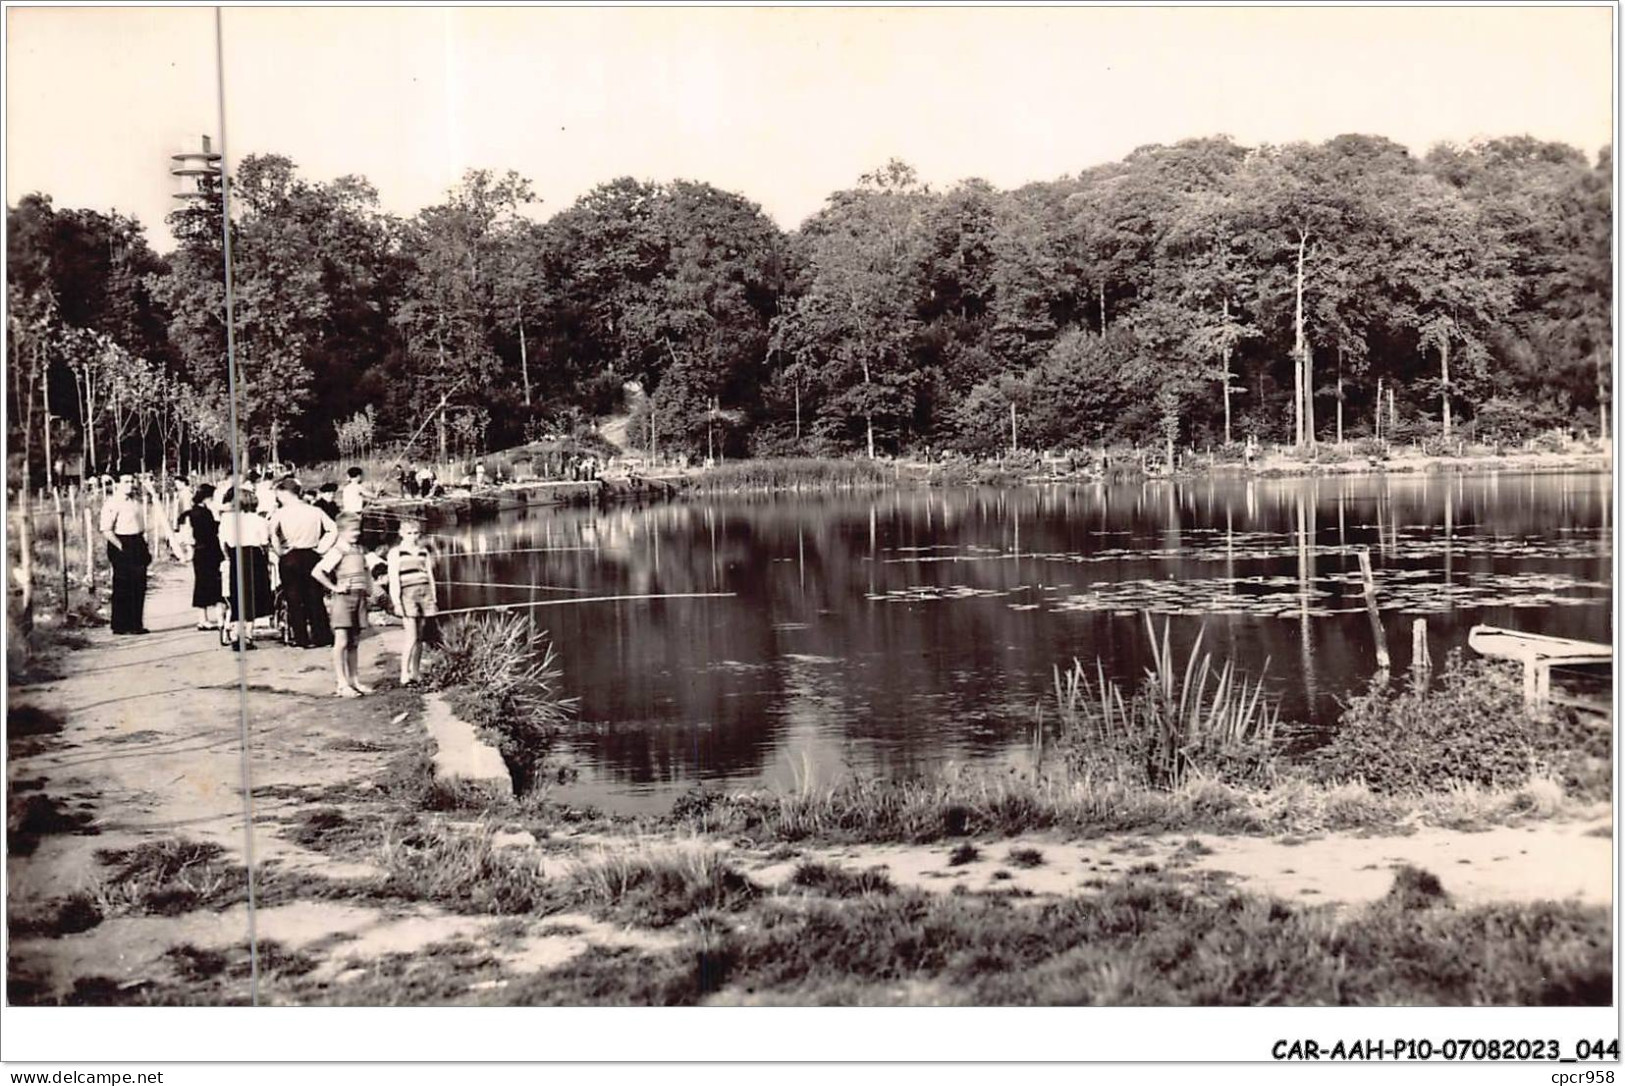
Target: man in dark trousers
300 532
124 526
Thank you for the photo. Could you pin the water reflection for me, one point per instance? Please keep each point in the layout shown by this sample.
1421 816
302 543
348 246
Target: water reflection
893 632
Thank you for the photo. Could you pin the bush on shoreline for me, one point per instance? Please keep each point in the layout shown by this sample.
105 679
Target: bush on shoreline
1470 726
503 677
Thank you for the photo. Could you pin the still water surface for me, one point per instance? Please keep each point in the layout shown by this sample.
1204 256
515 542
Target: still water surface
894 632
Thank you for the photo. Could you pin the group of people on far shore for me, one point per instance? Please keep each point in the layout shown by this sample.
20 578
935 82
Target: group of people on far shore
253 538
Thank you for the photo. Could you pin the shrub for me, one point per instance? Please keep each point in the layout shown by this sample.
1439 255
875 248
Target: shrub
506 681
1371 447
1472 727
1439 445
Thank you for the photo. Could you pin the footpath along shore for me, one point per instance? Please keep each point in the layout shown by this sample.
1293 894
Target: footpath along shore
128 859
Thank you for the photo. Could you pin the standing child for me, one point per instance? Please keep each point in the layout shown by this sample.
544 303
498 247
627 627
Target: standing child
412 589
343 572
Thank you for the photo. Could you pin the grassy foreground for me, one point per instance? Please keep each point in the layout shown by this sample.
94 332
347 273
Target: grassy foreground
827 934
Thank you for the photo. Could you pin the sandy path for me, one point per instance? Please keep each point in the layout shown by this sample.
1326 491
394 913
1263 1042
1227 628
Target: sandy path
1543 861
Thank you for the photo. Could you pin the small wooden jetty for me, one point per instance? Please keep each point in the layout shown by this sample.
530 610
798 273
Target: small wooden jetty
1540 653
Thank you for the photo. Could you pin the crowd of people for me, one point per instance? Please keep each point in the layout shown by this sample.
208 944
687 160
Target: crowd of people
264 546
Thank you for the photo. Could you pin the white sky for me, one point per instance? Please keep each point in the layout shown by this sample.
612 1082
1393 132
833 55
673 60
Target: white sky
782 105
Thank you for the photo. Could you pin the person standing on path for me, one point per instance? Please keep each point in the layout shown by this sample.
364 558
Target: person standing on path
343 572
124 526
300 532
249 534
411 589
206 556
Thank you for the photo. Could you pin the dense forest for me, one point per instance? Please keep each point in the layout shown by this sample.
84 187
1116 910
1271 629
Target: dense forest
1190 295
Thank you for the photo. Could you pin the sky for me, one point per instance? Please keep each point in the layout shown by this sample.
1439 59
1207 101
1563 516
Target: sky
783 105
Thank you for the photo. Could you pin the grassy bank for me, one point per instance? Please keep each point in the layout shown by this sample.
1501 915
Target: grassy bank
700 929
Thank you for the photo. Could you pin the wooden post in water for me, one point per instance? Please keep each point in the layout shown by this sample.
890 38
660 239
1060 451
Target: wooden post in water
1421 658
61 546
1377 634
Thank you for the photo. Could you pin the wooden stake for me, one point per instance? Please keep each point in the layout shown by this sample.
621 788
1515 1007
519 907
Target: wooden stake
61 546
1377 634
1421 659
25 570
90 549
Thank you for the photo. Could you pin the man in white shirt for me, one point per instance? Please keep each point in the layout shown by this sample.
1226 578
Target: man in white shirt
300 532
352 495
124 526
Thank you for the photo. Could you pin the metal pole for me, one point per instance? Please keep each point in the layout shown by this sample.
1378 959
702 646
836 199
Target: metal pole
237 511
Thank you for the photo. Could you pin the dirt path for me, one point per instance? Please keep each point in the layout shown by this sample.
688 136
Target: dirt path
150 747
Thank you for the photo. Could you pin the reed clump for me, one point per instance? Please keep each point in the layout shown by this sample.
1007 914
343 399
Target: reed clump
1200 717
797 473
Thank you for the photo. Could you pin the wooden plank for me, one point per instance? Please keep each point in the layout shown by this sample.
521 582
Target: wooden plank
1515 645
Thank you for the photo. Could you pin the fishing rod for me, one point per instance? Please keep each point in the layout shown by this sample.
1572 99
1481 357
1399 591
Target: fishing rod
507 584
591 599
446 398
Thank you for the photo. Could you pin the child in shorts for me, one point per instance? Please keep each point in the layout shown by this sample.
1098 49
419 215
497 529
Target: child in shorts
412 589
343 572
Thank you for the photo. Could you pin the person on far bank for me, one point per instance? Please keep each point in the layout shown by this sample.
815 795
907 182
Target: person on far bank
353 496
412 590
124 526
300 532
343 572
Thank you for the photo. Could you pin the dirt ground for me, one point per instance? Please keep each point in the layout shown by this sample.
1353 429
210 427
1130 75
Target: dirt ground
149 750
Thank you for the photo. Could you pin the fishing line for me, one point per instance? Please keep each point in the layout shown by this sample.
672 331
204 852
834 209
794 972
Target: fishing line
503 584
590 599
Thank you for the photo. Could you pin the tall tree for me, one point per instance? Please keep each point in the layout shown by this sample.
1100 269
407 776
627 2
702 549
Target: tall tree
856 324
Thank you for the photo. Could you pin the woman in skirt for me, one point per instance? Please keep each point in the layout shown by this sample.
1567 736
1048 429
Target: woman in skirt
252 533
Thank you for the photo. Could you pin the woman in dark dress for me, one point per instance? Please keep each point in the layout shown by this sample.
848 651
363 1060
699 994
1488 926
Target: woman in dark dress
206 556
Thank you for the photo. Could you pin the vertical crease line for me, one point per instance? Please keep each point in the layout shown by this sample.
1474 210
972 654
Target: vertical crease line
237 515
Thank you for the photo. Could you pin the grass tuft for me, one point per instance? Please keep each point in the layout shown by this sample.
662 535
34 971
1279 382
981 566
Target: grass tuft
656 888
1024 857
832 881
1415 888
167 878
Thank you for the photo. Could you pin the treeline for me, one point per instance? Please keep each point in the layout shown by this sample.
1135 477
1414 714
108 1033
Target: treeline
1199 293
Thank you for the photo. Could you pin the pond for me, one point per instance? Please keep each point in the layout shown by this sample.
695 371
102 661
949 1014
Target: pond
893 632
